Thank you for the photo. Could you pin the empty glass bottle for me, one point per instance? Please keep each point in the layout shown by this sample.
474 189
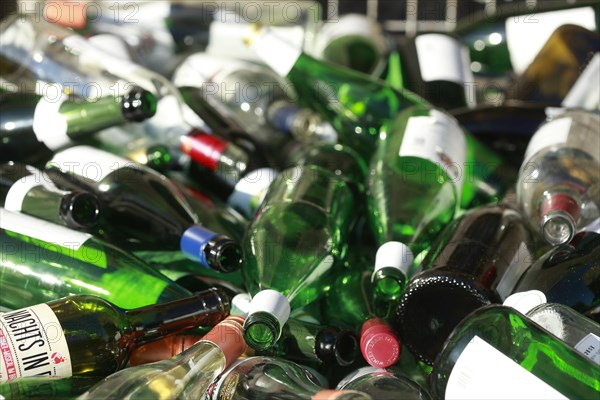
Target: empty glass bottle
26 189
497 352
42 261
185 376
84 335
559 181
382 384
142 209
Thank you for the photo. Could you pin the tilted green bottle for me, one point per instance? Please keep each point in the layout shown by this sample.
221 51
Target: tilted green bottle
354 103
292 245
29 122
26 189
42 261
414 187
85 335
42 388
497 352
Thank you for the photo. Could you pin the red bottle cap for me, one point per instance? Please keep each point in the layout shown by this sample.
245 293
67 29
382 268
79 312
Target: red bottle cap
379 344
203 148
229 336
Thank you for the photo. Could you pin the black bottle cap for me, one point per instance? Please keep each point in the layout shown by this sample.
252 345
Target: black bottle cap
138 105
223 254
335 346
80 209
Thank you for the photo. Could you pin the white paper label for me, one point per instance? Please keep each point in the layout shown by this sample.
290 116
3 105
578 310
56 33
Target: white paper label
439 139
49 125
515 269
526 34
482 372
89 162
42 230
18 191
92 55
441 58
552 132
589 346
32 343
584 93
276 52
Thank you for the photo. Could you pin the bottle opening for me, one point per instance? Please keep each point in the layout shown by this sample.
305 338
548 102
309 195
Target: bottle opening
223 254
346 349
138 105
558 228
388 288
261 331
80 210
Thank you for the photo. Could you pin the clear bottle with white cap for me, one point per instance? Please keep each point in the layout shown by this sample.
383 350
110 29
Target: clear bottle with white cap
562 321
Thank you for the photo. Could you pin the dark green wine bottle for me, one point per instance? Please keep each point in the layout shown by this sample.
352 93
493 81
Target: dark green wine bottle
26 189
29 122
43 388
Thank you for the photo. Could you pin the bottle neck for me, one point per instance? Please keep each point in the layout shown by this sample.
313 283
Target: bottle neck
559 215
210 249
156 321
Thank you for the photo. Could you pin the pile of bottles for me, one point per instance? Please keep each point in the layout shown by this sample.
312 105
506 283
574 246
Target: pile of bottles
200 205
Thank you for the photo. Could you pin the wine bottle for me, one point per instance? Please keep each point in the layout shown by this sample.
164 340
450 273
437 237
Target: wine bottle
567 275
449 85
172 346
350 301
274 378
312 344
416 177
84 335
353 41
559 181
185 376
355 104
568 325
556 66
143 210
29 122
303 221
26 189
477 260
42 388
498 352
42 261
382 384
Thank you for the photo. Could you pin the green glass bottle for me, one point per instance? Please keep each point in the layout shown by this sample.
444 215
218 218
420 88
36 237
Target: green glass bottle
414 188
42 261
354 103
29 122
43 388
85 335
185 376
498 352
292 245
26 189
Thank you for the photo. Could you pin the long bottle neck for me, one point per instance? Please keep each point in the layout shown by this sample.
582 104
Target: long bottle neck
155 321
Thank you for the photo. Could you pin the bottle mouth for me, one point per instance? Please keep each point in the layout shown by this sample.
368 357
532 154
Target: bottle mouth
337 346
80 210
138 105
558 227
388 283
261 331
223 254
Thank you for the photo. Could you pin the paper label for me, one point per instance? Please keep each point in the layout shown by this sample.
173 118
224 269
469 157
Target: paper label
483 372
526 34
224 385
439 139
42 230
515 269
49 125
589 346
584 93
276 53
441 58
553 132
32 343
92 55
89 162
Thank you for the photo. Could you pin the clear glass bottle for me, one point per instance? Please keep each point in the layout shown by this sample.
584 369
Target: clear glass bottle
559 181
382 384
185 376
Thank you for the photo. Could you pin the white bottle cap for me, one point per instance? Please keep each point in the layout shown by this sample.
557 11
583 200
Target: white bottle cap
240 304
250 191
272 302
525 301
394 254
